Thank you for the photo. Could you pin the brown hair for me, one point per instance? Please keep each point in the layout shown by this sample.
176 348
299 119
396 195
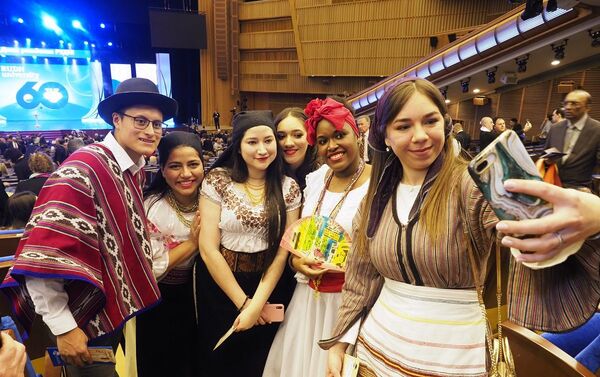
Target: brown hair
40 163
434 211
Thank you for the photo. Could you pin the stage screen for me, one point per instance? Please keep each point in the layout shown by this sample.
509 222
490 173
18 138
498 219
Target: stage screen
40 95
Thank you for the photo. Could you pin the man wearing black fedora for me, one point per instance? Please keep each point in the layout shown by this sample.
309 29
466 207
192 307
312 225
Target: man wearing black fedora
85 262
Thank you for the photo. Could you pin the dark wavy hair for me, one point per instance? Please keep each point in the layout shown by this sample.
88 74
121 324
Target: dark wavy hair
310 162
275 208
159 187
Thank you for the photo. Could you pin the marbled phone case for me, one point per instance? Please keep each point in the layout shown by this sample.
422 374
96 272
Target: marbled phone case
506 158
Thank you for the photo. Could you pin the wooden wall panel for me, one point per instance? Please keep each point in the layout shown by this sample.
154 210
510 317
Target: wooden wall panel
264 9
389 34
269 55
466 113
267 40
534 105
510 104
591 83
556 97
266 25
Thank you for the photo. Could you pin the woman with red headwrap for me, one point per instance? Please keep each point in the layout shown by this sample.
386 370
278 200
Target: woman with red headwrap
334 190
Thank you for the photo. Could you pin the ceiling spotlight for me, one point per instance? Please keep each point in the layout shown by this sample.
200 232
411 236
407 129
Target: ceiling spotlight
464 85
522 63
102 25
109 44
595 35
447 101
20 20
559 49
555 62
491 75
476 91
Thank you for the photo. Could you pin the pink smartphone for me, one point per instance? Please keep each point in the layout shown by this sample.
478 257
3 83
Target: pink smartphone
273 312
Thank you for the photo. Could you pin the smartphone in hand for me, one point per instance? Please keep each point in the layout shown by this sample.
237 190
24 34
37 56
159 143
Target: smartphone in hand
273 312
506 158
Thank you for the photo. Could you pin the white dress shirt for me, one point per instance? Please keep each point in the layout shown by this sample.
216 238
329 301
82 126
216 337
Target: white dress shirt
48 295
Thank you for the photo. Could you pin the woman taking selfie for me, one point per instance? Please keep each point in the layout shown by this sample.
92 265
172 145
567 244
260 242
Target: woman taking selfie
171 203
409 301
334 190
245 205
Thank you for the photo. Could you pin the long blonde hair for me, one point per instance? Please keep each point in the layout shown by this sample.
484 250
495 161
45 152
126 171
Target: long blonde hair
434 211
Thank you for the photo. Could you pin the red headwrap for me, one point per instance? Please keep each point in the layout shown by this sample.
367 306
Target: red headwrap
330 110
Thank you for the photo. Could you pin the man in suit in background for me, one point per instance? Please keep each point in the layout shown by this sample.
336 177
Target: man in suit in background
364 123
579 137
486 136
461 136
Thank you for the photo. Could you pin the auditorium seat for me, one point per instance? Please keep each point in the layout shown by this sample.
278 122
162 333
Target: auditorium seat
535 356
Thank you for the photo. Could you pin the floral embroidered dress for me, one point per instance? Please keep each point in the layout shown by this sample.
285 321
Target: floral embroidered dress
244 231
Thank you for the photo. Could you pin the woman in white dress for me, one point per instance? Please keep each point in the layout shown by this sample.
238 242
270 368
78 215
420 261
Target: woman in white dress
334 190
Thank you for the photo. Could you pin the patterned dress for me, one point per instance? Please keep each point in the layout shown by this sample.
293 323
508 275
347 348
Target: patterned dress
243 229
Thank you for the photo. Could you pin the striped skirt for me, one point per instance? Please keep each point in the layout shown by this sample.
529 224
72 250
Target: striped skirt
423 331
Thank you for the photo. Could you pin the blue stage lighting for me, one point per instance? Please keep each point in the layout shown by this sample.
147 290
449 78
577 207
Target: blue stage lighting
93 45
102 25
86 43
28 42
43 44
109 44
20 20
16 43
50 23
77 24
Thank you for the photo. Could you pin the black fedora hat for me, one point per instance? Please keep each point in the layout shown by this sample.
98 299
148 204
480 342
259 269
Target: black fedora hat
137 91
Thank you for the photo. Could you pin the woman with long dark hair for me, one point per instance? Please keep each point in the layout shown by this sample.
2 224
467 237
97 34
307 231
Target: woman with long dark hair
171 204
245 204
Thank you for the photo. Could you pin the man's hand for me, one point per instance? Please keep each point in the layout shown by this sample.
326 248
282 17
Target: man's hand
12 357
72 347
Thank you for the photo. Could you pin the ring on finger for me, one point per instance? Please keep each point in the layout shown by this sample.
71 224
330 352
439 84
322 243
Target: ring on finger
560 239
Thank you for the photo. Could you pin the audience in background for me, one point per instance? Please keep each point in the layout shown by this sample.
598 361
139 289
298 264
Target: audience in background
461 136
486 136
20 206
41 166
20 164
74 144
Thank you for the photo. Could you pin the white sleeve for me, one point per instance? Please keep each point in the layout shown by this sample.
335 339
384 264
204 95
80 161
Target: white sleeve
51 302
351 336
160 257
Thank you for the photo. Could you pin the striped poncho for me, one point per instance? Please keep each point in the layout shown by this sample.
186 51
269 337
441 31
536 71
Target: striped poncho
88 227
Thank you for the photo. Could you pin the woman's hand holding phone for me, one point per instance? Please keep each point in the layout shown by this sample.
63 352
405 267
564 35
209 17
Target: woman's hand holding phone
574 219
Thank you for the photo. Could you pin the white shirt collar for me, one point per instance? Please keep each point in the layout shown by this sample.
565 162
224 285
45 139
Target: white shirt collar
484 129
125 162
580 123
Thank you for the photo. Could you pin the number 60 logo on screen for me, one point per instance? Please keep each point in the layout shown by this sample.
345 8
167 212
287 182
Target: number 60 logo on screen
50 94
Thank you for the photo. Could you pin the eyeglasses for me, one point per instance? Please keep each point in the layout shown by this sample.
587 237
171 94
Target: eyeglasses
141 123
